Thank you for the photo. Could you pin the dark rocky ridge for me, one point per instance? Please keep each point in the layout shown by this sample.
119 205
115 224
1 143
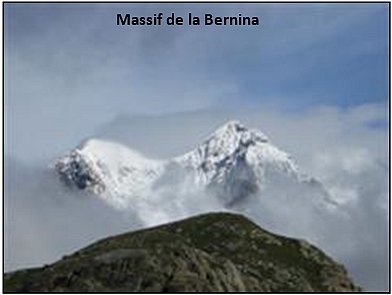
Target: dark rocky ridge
211 253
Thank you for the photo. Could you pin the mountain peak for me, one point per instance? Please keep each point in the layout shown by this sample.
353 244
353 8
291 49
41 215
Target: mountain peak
235 130
235 161
233 125
231 140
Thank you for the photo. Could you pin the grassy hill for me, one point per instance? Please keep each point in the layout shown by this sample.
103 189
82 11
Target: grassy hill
207 253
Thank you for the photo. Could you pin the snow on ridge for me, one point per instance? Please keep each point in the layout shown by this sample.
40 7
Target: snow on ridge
114 153
110 169
235 160
228 144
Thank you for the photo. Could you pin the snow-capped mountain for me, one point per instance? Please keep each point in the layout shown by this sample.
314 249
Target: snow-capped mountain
233 164
109 169
235 161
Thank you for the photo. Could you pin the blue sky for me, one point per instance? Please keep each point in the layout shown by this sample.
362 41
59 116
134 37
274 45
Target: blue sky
69 68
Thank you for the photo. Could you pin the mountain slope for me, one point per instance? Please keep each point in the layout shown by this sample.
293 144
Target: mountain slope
107 168
213 252
232 164
235 161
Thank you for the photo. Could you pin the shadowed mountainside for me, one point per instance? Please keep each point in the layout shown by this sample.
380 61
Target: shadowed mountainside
211 252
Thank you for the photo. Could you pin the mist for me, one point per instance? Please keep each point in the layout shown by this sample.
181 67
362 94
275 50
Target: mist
344 149
44 221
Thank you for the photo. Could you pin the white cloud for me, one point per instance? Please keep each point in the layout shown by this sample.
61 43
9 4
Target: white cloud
338 147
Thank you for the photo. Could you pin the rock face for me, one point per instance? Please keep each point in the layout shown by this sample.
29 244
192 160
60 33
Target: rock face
214 252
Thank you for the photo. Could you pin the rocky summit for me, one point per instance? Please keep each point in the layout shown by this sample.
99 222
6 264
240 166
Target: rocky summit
215 252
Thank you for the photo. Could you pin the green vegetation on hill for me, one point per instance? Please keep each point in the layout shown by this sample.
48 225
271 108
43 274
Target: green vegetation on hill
207 253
